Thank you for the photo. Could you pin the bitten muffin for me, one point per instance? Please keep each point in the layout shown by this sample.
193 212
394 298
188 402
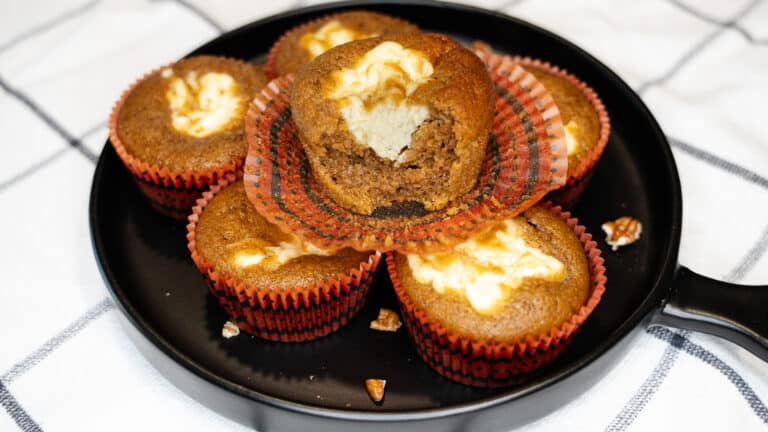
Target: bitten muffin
523 277
269 282
396 119
305 42
503 303
181 128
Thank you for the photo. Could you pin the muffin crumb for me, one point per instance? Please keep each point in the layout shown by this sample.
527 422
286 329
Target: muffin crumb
622 231
375 388
386 321
230 330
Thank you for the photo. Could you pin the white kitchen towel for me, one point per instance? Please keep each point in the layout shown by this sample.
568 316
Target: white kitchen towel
66 364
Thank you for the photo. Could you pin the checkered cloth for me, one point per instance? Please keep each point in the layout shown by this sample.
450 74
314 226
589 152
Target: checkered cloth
65 363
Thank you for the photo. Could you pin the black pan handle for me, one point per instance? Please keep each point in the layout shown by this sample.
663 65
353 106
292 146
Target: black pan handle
738 313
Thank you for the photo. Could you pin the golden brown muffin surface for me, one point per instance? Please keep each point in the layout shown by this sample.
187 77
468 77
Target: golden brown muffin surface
575 109
533 308
293 53
446 150
229 226
145 126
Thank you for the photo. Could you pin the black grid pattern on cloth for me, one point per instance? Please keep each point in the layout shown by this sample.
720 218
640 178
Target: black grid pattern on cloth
678 341
696 49
657 377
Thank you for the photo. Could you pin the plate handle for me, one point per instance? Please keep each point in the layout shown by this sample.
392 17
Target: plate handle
738 313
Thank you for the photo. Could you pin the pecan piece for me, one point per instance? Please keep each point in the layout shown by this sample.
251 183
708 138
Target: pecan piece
230 329
375 388
622 231
386 321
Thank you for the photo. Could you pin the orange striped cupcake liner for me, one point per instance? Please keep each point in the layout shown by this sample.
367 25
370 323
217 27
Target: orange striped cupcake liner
283 314
579 176
490 363
526 158
171 192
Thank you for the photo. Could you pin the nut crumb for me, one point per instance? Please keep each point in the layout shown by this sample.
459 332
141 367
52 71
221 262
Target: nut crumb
622 231
386 321
375 388
230 329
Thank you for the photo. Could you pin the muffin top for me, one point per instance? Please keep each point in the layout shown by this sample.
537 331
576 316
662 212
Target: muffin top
522 277
190 115
409 108
237 241
382 89
306 42
580 119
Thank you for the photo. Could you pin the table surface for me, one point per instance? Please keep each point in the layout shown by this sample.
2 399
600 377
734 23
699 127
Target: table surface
65 362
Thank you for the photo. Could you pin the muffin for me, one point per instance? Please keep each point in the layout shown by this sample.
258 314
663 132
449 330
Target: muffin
525 158
509 296
271 284
305 42
397 119
181 128
586 123
585 120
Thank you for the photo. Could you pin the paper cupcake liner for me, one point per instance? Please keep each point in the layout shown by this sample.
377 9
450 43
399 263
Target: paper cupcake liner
526 158
284 314
489 363
578 177
270 68
171 192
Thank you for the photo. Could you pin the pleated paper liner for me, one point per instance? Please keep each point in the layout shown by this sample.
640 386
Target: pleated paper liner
171 192
284 314
489 363
578 175
526 158
270 68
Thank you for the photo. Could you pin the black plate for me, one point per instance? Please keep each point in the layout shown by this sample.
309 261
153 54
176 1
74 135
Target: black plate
147 267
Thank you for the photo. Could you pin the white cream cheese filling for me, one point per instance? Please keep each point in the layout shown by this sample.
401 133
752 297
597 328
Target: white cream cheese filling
571 142
202 105
332 34
486 269
372 97
272 257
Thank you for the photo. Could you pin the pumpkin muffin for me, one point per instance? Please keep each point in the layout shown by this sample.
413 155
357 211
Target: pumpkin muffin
303 43
584 118
527 280
270 283
397 119
181 127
